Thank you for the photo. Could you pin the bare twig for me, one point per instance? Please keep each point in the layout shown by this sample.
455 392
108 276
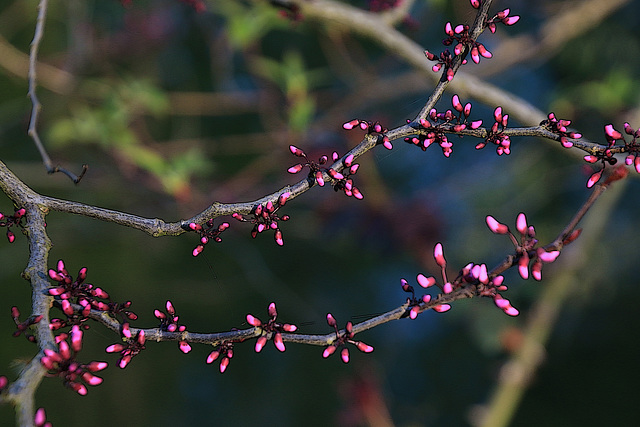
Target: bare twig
35 111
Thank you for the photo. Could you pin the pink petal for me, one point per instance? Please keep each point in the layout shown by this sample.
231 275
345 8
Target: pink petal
442 308
495 226
439 255
424 281
521 223
344 355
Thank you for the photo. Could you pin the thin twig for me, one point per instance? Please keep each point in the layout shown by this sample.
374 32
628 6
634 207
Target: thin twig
36 106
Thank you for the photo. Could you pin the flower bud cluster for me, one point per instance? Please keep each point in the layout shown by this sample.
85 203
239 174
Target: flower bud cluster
270 330
496 133
459 37
62 363
501 17
226 350
341 341
266 218
207 234
372 128
560 127
606 157
70 291
472 274
130 347
528 256
11 221
169 323
433 128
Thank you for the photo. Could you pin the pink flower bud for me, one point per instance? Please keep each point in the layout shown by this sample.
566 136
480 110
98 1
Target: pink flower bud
344 355
439 255
40 417
114 348
289 328
523 266
413 313
483 51
91 379
213 356
335 175
296 151
295 168
455 101
447 288
278 237
442 308
277 341
611 132
66 307
511 20
282 199
495 226
97 366
475 56
329 351
497 114
536 270
260 343
448 29
590 159
547 256
424 281
185 347
331 321
124 361
449 74
253 321
348 160
223 364
273 313
467 109
350 125
365 348
521 223
593 179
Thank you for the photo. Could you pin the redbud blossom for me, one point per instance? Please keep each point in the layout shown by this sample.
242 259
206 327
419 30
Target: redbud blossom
442 308
278 342
424 281
439 256
261 341
593 179
329 351
523 265
495 226
344 355
521 223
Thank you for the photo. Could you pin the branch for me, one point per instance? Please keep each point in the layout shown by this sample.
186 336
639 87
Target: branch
35 111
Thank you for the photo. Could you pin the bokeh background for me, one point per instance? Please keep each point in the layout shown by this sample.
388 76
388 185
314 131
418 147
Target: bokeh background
173 109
